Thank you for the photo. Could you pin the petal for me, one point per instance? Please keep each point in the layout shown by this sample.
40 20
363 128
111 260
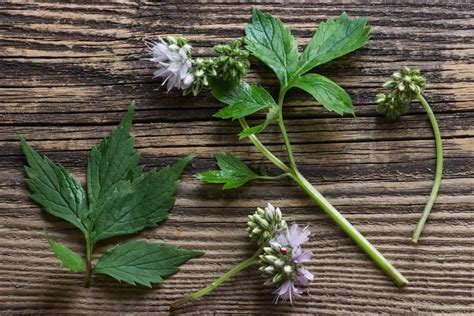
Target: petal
303 276
183 71
296 236
300 256
174 67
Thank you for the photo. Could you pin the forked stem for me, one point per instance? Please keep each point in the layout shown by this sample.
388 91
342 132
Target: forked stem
330 210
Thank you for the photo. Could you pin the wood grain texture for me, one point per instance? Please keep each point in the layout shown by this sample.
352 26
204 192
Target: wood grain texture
69 69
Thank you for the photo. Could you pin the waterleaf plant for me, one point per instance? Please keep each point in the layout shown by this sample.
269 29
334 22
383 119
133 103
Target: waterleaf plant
405 86
267 39
120 200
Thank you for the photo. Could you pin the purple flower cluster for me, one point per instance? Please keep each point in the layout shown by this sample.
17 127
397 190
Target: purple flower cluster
292 238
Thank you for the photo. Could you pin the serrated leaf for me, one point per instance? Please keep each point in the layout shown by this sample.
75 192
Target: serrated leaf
69 258
327 92
114 160
333 39
243 98
138 262
268 40
233 172
133 206
54 188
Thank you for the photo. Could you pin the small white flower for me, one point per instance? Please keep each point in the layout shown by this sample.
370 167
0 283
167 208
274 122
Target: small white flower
174 63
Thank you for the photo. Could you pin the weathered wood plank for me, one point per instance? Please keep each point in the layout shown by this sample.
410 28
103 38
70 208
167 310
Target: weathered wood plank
69 70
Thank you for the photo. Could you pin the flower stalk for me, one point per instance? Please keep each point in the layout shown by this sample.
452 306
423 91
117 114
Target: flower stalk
405 86
439 170
253 260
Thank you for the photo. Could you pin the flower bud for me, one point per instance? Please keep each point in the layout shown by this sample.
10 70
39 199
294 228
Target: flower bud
288 270
263 224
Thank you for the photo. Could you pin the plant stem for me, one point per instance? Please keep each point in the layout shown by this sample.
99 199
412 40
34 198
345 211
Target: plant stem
439 170
211 287
278 177
281 123
332 212
264 150
89 248
350 230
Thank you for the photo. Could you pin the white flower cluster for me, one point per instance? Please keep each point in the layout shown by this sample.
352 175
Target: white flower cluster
173 58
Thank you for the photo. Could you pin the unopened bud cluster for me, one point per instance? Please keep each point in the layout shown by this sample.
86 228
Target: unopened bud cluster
204 68
175 43
233 60
263 224
404 86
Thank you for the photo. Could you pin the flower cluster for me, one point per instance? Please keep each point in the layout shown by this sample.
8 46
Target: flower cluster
179 70
173 58
282 263
283 257
404 86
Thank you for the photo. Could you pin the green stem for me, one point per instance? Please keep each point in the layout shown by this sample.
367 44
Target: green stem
264 150
89 248
350 230
278 177
439 170
281 123
211 287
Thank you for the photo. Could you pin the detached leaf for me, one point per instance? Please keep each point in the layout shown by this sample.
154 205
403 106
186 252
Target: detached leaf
138 262
268 40
334 39
54 188
326 92
113 161
69 258
243 98
133 206
233 172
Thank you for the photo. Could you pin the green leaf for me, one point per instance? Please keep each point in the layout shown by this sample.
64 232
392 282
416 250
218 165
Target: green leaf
268 40
133 206
138 262
54 188
326 92
233 172
334 39
251 131
69 258
243 98
113 161
270 118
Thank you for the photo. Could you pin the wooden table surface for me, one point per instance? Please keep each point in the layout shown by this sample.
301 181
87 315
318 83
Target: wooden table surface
68 72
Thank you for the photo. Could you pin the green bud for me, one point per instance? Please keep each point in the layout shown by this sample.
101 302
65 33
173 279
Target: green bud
269 270
270 259
288 270
277 278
